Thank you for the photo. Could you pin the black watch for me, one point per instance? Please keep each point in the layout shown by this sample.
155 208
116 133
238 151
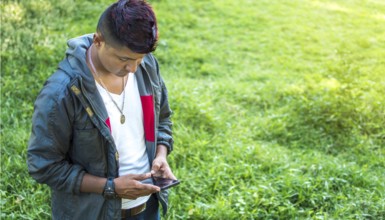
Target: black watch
109 189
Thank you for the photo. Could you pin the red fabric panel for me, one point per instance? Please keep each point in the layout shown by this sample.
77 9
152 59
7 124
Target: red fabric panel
108 124
148 117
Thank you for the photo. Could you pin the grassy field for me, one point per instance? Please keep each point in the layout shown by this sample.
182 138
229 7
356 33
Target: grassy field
278 105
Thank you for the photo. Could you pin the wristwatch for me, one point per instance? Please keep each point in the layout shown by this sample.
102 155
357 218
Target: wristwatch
109 189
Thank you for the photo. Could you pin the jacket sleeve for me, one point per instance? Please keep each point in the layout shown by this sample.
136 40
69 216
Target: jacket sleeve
165 125
51 138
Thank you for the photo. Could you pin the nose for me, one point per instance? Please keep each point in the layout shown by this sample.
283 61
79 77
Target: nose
132 66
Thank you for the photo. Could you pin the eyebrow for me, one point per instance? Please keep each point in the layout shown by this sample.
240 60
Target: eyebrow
125 58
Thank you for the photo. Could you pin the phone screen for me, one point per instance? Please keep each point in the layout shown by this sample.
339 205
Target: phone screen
164 183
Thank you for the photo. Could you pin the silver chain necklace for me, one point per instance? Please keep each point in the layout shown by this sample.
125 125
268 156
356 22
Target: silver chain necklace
122 117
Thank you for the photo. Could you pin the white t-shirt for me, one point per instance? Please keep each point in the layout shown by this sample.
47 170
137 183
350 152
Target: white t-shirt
128 137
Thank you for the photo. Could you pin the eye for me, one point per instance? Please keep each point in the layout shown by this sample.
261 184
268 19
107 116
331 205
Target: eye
123 59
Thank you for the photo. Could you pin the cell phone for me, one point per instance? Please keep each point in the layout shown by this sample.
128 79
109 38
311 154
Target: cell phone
164 183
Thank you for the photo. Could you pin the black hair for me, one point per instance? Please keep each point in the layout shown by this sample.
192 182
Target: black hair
129 23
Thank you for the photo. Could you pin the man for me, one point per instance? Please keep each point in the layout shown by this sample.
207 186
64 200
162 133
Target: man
101 125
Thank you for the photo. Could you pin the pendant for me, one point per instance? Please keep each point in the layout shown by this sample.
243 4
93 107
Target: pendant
122 119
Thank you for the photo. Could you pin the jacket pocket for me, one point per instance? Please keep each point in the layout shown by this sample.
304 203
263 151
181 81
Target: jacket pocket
85 206
88 151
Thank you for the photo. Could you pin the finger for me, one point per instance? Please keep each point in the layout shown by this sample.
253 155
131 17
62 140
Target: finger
155 189
171 176
142 176
149 189
139 190
155 167
168 174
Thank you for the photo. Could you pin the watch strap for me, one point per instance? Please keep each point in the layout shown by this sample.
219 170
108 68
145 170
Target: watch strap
109 189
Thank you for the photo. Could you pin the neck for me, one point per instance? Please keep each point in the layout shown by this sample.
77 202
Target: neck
111 82
94 62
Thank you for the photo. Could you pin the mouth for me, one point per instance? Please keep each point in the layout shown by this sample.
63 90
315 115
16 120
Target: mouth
122 73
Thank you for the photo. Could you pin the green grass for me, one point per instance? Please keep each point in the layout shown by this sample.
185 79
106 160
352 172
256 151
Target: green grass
278 105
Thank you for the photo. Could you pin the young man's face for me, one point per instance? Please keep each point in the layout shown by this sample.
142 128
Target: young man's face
118 61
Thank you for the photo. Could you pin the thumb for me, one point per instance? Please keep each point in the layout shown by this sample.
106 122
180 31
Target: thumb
142 176
155 167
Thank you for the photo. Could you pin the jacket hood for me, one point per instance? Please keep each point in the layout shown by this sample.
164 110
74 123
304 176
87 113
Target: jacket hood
75 61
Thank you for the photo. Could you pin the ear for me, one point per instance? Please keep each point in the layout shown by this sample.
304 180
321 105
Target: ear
98 39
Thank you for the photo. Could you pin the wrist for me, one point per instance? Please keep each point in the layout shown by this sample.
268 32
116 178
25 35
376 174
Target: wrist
161 151
92 184
109 189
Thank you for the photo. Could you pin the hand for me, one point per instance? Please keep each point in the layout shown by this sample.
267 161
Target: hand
160 165
130 187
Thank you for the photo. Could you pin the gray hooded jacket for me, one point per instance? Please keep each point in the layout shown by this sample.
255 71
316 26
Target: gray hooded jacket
71 134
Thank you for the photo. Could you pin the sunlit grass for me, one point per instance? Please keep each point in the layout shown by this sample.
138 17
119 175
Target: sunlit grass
278 105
